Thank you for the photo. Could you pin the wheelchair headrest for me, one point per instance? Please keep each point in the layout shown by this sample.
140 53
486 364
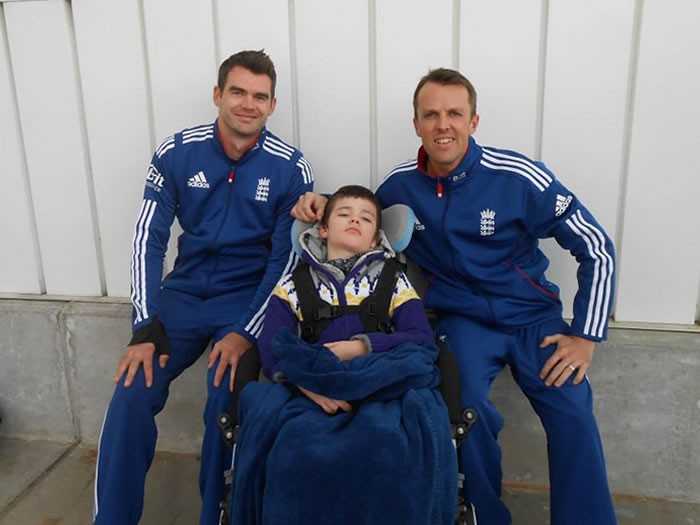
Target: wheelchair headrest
397 224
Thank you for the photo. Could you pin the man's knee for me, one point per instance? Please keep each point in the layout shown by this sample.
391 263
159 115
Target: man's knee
138 396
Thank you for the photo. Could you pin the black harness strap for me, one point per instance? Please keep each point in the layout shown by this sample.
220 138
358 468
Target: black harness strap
316 313
373 310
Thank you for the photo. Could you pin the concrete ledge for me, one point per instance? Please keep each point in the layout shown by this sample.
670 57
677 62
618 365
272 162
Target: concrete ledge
647 401
34 395
59 358
56 379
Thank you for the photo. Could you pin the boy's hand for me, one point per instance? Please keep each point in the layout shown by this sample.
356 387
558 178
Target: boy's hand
309 207
329 406
346 350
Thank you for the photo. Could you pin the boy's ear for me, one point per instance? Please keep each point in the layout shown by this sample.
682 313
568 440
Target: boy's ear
323 232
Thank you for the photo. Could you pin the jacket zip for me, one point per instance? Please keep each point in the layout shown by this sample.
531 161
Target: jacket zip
474 288
229 184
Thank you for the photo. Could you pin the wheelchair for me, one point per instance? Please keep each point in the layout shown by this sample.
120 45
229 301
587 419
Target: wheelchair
397 224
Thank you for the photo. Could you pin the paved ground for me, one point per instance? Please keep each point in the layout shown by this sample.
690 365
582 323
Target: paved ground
48 483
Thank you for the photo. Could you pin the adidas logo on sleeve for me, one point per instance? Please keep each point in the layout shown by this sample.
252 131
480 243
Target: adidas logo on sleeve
562 204
198 181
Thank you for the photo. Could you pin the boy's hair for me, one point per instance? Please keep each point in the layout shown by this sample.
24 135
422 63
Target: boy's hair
357 192
445 77
257 62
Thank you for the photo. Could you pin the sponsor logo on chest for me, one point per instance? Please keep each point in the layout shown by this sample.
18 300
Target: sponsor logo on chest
198 181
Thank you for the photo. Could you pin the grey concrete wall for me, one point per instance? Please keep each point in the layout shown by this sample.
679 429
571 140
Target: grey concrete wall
58 359
647 402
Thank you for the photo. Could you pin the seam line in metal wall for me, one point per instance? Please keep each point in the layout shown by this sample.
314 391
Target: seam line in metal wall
373 113
627 129
215 33
541 79
87 159
23 156
150 116
456 33
294 74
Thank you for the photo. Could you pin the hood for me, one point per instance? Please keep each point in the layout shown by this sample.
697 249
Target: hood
315 251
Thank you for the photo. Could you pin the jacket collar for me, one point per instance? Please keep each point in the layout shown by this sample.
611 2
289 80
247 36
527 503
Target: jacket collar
252 148
463 169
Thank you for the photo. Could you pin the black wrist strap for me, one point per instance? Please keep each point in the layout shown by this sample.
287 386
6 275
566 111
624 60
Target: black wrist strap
152 333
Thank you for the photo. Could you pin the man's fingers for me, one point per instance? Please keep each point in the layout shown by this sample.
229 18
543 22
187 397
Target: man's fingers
345 406
580 374
131 372
148 372
213 356
163 360
309 207
219 374
234 366
564 372
550 340
549 365
121 368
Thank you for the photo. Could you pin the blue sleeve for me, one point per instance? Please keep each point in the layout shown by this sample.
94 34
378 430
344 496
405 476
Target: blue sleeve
282 259
279 315
151 236
559 214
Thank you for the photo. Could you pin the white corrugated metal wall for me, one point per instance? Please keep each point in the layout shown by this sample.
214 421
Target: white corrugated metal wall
603 91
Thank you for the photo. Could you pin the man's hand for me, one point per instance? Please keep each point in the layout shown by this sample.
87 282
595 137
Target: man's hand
228 350
309 207
346 350
138 355
573 354
329 406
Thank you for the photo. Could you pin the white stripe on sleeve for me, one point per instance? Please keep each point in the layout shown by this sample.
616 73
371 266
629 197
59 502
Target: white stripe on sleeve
601 284
138 259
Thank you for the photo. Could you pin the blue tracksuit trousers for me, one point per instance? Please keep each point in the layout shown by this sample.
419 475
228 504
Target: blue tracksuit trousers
128 438
579 489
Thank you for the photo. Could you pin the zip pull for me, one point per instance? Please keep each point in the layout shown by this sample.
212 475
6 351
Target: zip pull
439 189
231 176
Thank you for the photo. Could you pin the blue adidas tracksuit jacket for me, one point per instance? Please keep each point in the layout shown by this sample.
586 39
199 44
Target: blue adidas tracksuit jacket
235 217
476 239
483 222
234 248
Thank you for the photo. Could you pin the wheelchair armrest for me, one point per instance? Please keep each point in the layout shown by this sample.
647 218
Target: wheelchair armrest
248 370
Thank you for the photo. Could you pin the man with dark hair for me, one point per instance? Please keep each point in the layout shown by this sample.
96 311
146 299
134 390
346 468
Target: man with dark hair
231 185
256 62
481 212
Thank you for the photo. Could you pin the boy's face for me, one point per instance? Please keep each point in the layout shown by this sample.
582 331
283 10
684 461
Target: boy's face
352 228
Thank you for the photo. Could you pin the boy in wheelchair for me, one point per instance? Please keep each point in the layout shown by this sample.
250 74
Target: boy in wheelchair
368 358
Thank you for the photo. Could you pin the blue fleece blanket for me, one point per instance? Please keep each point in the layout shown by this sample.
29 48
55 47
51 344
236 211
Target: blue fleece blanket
390 460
